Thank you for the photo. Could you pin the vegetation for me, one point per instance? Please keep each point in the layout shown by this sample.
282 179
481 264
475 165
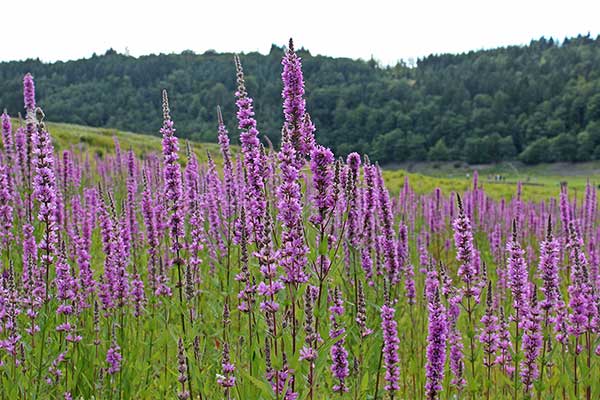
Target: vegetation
100 141
288 275
539 103
446 176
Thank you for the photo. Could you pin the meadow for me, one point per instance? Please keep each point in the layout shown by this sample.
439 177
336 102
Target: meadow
136 267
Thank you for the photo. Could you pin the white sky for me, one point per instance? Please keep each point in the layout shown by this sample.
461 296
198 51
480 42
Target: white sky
388 30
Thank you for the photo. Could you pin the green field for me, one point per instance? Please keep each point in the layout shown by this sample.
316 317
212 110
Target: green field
539 182
100 140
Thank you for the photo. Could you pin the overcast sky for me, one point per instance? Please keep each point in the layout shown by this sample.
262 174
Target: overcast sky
387 30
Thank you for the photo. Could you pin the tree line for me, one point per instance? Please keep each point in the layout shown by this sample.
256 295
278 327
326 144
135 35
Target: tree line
536 103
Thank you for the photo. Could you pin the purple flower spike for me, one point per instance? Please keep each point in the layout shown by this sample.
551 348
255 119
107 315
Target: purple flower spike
436 347
390 348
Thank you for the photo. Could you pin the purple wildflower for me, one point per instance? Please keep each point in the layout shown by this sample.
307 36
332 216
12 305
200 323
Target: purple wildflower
532 343
293 247
390 348
463 240
489 336
252 159
549 255
405 265
339 355
172 178
387 236
299 129
517 274
113 356
227 166
321 165
436 346
29 92
44 191
227 379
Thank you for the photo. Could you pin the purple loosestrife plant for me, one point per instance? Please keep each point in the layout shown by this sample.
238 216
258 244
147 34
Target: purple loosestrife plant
517 275
436 347
387 236
7 139
467 269
182 369
21 155
114 357
463 240
270 286
289 195
138 296
172 178
297 125
321 166
173 192
152 238
405 265
6 207
119 223
549 273
489 336
361 312
294 150
339 354
504 358
212 202
246 280
457 365
44 191
227 167
308 352
29 92
391 361
253 162
565 212
518 283
532 343
31 122
369 214
582 303
352 200
227 379
131 203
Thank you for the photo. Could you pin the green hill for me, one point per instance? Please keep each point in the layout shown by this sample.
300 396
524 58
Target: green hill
101 141
539 103
540 182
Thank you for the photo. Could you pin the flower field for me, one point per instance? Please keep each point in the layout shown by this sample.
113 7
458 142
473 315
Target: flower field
282 273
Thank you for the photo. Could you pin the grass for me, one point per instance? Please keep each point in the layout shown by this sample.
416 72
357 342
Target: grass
100 140
539 182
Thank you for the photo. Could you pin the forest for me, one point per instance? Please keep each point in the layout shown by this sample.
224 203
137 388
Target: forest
536 103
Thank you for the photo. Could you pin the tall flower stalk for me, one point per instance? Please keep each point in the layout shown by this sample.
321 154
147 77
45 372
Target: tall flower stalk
174 196
518 284
465 255
436 347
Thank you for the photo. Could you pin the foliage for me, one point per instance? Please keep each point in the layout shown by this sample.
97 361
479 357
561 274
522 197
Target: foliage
487 105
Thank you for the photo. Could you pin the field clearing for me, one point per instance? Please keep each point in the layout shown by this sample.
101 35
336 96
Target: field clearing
539 182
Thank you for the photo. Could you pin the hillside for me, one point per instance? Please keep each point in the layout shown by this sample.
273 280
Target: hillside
540 182
539 103
101 141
